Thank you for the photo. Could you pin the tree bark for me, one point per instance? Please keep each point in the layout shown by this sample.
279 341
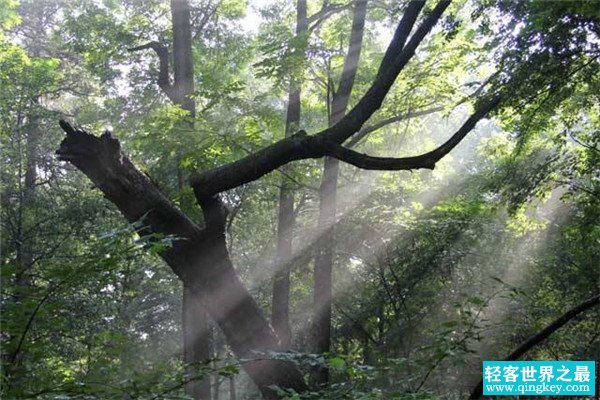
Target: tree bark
322 290
280 316
183 67
198 256
196 343
232 395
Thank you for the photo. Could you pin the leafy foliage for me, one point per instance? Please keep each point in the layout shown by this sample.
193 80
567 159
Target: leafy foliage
434 270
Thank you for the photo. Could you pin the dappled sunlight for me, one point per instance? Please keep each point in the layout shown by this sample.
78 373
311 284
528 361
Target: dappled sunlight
145 264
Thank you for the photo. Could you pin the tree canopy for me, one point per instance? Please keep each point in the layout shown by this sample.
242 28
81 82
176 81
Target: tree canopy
308 200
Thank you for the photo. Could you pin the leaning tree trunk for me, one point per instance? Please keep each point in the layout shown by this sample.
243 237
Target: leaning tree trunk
280 316
322 290
198 256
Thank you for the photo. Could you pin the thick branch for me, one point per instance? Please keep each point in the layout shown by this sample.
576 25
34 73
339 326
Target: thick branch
163 80
395 59
401 35
426 160
365 161
301 146
541 336
215 213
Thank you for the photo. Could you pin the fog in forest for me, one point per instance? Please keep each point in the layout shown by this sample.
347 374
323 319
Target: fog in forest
307 199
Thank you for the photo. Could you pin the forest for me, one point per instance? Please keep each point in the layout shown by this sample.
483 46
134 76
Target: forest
295 199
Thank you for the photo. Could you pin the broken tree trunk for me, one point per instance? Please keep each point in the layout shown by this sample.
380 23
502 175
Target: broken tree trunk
198 255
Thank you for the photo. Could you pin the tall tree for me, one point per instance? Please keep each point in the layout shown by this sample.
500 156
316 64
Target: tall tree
280 317
195 326
322 291
29 111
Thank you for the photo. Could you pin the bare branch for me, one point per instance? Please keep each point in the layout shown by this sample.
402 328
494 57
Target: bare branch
364 161
302 146
394 61
582 143
296 147
401 35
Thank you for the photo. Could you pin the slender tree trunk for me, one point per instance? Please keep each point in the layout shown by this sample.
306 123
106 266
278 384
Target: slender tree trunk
232 388
280 317
24 246
322 290
366 351
218 348
321 320
216 387
29 125
196 342
195 326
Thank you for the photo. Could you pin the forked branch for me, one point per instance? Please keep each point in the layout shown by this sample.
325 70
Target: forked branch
302 146
426 160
